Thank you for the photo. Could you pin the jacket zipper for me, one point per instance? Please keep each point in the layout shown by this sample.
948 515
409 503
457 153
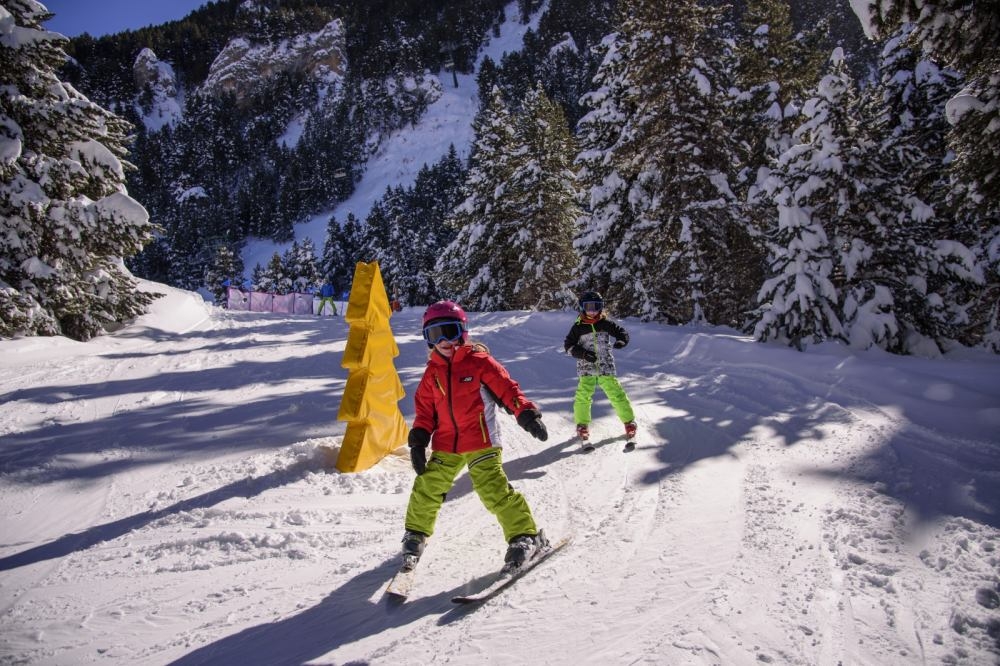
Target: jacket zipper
451 409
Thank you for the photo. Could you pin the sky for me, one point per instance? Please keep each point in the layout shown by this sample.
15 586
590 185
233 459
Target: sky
105 17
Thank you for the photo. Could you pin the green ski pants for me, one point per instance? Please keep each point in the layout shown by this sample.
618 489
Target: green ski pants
585 397
488 480
323 302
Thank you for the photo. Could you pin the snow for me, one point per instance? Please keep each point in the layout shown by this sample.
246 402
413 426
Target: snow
862 9
170 496
960 104
165 105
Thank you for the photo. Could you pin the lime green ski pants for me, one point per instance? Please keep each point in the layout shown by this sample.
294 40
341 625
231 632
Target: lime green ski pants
488 480
585 397
323 302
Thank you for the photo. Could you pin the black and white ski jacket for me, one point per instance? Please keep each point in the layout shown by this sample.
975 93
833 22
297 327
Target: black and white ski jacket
597 336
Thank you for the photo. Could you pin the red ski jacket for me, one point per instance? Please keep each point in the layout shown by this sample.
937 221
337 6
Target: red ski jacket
454 404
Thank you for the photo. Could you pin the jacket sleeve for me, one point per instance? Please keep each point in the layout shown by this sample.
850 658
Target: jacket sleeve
499 382
423 402
571 339
616 330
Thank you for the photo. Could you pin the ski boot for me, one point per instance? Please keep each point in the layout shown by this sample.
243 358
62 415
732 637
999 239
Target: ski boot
413 548
630 429
522 549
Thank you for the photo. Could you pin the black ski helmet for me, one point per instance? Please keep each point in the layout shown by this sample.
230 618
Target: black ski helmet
591 297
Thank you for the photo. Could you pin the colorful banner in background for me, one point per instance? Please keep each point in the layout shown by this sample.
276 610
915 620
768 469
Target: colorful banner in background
259 301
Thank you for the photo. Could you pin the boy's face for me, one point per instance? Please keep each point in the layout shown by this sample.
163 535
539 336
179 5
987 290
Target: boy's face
591 311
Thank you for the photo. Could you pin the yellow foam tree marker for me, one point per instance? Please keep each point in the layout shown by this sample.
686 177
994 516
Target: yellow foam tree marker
370 404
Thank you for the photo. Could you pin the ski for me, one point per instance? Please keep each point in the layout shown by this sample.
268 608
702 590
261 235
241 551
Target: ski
503 581
629 445
401 584
586 446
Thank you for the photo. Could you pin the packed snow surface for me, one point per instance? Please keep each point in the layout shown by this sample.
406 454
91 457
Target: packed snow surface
169 496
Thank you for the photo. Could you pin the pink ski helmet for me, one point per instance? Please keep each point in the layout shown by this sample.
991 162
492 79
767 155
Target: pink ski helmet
445 311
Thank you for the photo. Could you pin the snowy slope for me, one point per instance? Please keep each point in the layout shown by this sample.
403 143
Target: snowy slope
168 498
447 122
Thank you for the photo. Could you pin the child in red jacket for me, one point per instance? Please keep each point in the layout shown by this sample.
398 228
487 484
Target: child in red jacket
455 414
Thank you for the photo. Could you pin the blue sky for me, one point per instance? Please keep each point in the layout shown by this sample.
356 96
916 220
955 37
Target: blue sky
105 17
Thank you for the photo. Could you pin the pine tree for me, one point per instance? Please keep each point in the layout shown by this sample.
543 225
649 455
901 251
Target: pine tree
301 266
66 221
961 34
543 196
918 252
398 251
775 67
226 266
657 155
274 278
341 252
605 181
816 246
435 192
478 267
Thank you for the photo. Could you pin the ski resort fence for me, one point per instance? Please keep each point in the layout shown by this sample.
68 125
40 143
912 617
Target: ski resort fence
259 301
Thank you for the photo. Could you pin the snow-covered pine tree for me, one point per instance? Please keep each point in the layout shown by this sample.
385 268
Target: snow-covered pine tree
962 34
478 267
398 251
775 67
816 240
226 265
436 192
301 265
656 156
66 220
918 252
273 278
543 195
603 185
375 230
341 252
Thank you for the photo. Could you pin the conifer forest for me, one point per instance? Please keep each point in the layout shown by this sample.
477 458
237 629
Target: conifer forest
800 172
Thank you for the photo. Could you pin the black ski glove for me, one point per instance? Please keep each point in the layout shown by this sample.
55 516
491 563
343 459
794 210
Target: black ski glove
586 354
531 420
619 344
418 441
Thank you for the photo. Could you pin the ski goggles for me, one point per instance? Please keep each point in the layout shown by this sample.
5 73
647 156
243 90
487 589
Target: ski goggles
596 306
443 330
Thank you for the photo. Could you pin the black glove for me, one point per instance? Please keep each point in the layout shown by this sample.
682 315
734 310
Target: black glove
620 343
418 441
586 354
531 420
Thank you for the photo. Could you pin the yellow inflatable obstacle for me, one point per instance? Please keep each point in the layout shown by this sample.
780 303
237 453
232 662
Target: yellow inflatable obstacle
375 426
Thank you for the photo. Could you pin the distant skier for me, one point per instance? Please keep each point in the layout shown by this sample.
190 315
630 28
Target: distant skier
455 414
326 296
589 341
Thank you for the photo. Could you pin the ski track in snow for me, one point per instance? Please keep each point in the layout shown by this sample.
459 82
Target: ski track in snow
771 512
